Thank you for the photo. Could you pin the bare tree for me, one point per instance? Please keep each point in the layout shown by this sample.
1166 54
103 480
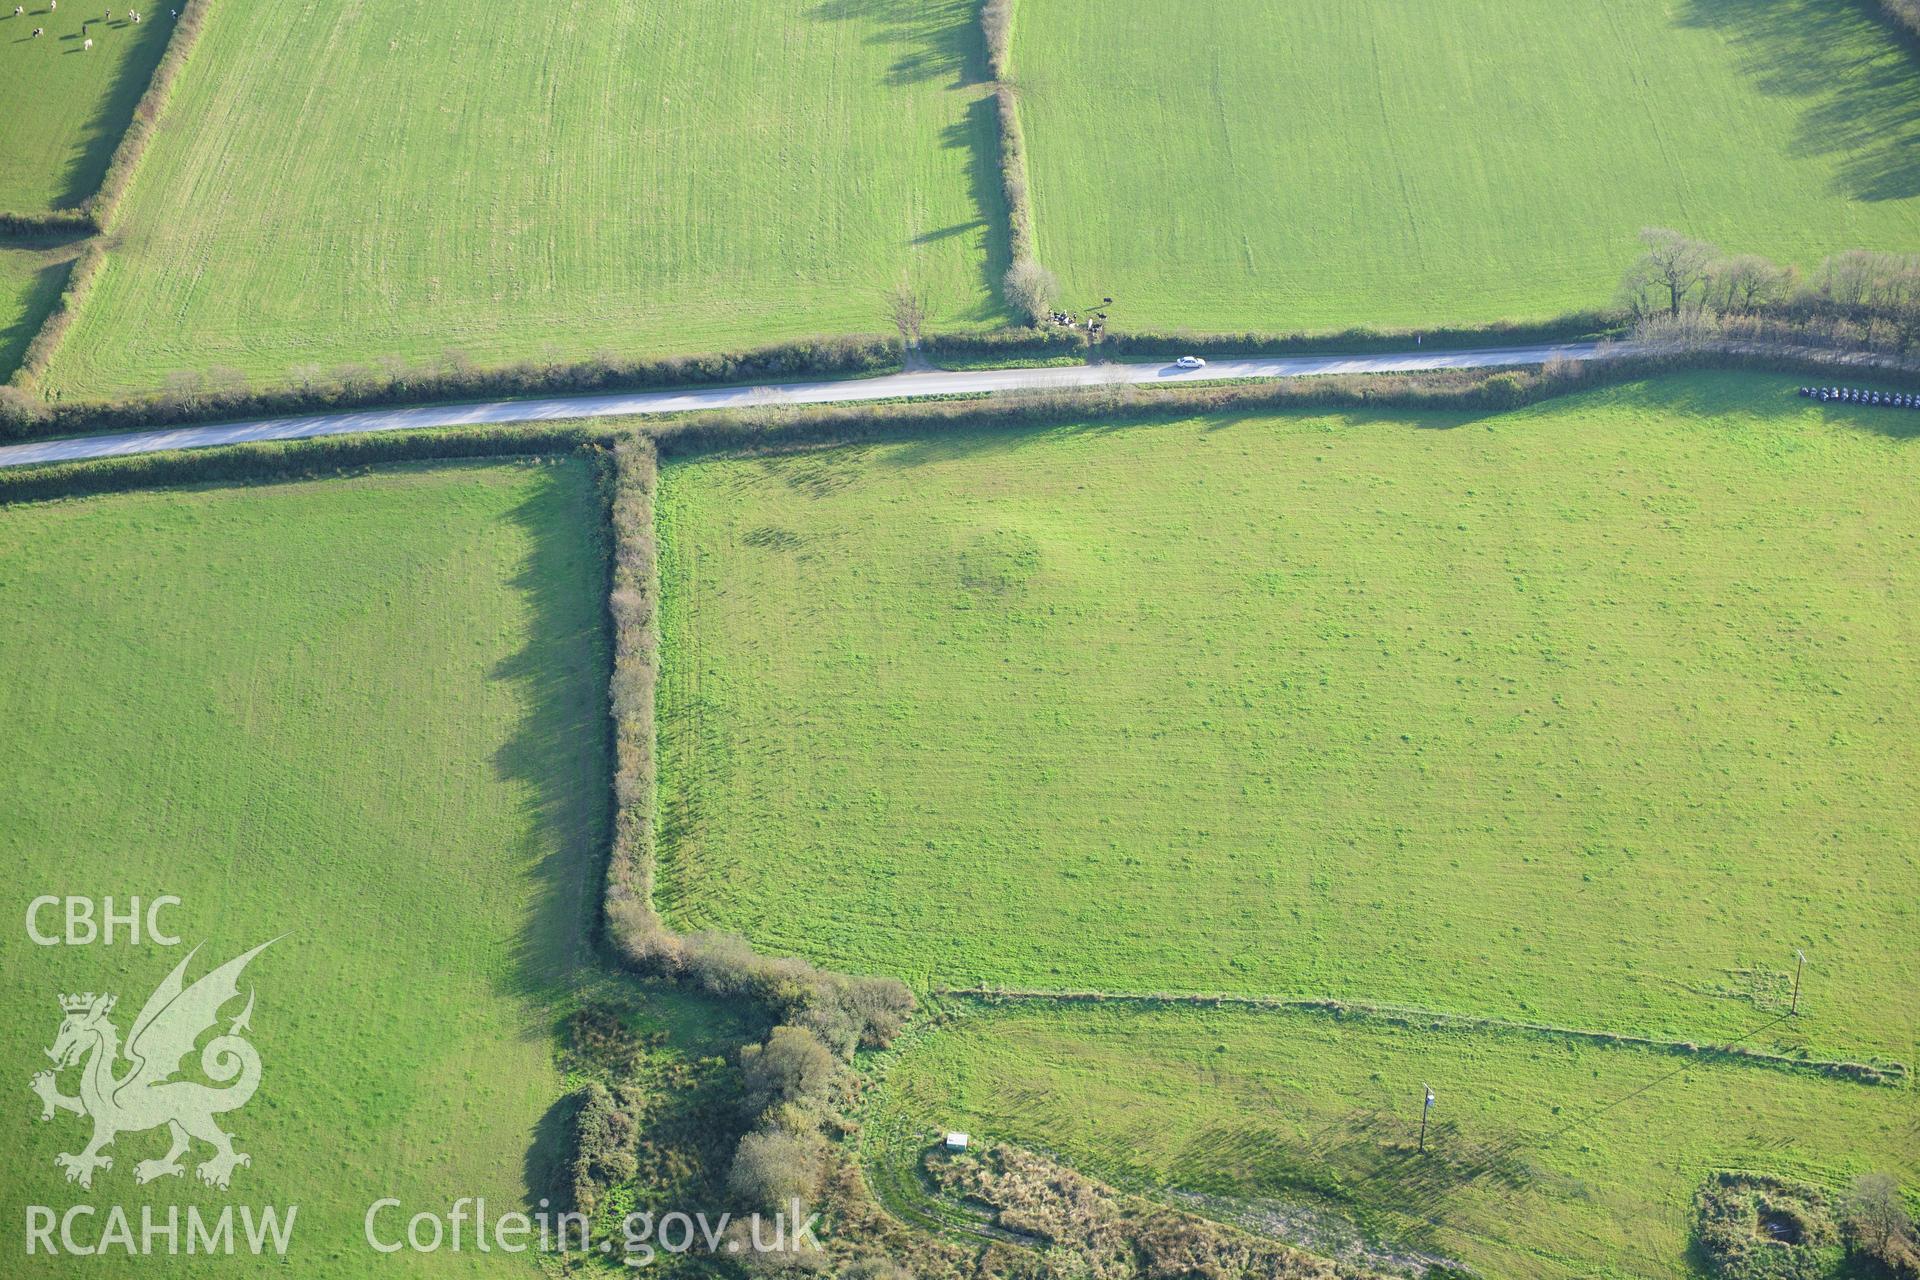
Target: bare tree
1848 278
1746 282
909 308
1673 267
1876 1213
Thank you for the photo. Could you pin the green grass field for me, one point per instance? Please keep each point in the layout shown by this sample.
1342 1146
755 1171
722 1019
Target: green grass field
1589 713
351 183
366 714
1545 1159
65 107
1283 165
32 274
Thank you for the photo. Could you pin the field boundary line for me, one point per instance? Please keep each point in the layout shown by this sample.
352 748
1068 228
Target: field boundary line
1028 286
93 213
97 210
1892 1074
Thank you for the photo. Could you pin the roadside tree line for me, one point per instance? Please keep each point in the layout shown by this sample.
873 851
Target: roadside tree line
1683 288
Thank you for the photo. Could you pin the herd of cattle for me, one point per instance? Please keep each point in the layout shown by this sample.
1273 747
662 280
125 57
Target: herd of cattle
1854 395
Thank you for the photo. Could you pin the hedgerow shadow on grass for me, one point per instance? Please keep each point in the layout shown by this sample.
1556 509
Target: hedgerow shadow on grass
936 40
979 135
50 263
560 750
1865 111
102 131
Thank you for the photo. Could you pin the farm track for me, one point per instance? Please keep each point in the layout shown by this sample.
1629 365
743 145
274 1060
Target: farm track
898 386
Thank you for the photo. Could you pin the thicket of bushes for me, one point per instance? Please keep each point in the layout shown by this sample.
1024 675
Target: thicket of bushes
1683 290
1731 1212
604 1141
217 397
823 1015
1875 1222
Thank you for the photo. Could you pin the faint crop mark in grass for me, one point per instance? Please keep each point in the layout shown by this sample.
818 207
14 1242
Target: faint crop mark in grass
998 563
772 538
818 475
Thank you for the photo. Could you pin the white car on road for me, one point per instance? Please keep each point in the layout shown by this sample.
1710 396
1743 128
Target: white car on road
1189 362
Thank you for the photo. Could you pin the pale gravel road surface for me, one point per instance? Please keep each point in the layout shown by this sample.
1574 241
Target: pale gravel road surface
892 386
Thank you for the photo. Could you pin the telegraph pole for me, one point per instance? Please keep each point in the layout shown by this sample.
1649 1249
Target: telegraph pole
1423 1116
1801 957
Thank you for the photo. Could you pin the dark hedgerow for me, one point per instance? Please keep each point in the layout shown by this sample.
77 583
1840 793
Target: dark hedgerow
52 222
1575 326
988 345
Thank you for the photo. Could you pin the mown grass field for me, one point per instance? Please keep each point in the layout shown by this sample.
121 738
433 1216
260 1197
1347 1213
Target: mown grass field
1589 713
65 107
367 714
32 274
1544 1158
353 183
1287 165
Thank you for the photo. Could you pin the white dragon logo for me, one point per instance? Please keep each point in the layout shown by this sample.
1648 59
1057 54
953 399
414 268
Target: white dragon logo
147 1095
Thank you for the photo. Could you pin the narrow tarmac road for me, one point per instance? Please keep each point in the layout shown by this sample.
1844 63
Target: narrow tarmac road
892 386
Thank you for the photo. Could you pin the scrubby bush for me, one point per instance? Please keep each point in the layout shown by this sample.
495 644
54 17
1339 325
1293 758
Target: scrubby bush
1030 289
604 1137
792 1067
996 24
1756 1227
1686 294
771 1169
875 1269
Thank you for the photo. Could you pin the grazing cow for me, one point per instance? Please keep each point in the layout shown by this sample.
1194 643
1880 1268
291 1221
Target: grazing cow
87 43
18 10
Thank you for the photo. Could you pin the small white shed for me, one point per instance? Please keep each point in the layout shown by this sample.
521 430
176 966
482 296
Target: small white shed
956 1142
